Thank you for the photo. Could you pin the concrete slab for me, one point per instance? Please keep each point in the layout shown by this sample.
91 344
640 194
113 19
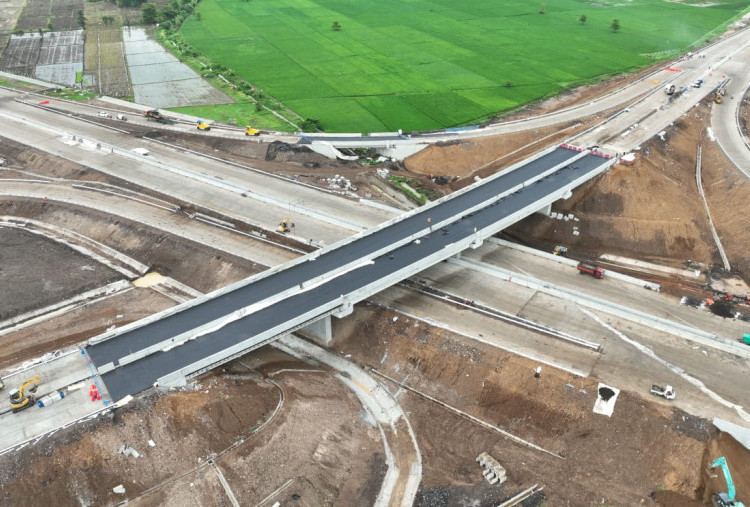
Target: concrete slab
35 422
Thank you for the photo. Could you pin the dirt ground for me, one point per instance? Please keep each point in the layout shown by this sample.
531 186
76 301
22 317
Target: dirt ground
643 448
250 427
56 275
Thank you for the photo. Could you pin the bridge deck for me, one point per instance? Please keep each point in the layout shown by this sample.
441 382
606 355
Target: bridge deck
362 281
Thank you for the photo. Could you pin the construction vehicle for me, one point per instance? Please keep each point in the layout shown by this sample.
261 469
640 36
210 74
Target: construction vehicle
669 89
154 114
665 392
560 250
724 499
718 98
202 125
23 397
285 225
250 131
745 340
590 269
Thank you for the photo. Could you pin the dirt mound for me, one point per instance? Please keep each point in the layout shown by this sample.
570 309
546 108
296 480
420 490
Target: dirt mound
652 210
738 462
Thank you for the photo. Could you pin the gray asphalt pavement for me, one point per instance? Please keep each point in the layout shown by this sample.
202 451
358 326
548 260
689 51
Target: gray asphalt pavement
139 375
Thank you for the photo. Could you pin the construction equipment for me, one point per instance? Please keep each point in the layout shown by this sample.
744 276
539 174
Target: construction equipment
590 269
745 340
560 250
154 114
666 392
718 98
724 499
285 225
23 397
250 131
202 125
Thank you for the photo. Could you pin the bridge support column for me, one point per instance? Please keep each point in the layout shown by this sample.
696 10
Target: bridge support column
319 331
547 210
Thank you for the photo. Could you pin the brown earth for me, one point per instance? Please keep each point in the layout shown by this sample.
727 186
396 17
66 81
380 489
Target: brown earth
221 420
642 448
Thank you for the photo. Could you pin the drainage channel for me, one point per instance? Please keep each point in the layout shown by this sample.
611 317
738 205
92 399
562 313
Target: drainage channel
422 288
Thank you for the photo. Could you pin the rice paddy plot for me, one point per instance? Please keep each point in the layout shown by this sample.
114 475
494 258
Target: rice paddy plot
422 64
161 80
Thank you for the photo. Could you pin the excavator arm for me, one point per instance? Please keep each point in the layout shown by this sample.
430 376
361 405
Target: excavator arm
728 497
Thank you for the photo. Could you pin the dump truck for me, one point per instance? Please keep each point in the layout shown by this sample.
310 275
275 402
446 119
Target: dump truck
590 269
154 114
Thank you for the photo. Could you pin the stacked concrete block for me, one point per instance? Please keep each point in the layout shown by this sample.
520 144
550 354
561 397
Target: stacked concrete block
492 470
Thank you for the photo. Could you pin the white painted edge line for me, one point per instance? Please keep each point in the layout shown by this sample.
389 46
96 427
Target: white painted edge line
674 369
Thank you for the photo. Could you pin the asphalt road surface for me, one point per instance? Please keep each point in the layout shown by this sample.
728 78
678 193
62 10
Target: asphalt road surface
139 375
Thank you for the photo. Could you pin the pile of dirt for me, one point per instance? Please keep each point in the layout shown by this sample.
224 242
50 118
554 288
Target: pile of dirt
484 156
652 210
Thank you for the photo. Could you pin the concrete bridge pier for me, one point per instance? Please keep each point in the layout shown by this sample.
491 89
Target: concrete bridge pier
319 331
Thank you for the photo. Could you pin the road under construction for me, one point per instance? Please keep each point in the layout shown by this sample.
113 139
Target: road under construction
171 347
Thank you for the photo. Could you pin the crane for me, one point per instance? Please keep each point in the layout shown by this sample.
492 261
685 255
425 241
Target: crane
20 398
725 499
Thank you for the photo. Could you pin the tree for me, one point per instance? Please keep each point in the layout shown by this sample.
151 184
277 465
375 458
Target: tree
615 26
582 19
542 8
81 19
49 26
336 26
149 14
108 20
198 16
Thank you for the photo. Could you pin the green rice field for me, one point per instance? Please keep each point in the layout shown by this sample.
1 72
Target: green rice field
420 65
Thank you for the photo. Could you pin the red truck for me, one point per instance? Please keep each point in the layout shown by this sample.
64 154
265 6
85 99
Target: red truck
590 269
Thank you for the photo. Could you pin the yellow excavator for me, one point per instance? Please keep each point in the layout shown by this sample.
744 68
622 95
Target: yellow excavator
202 125
250 131
285 225
560 250
23 397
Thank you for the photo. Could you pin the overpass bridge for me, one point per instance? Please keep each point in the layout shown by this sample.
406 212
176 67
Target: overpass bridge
172 346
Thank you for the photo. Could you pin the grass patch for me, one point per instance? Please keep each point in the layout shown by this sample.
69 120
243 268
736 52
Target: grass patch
411 188
79 77
237 114
423 64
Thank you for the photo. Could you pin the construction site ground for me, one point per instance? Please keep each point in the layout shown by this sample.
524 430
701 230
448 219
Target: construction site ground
319 448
